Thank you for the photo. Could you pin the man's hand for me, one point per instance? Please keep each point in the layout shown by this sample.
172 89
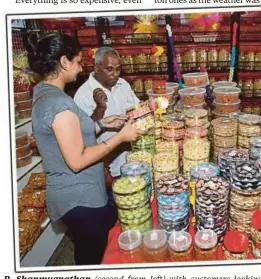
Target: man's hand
114 122
100 98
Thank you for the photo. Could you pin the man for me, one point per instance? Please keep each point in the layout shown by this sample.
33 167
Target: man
105 94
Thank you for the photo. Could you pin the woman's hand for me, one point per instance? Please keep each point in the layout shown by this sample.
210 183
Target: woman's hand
129 133
114 122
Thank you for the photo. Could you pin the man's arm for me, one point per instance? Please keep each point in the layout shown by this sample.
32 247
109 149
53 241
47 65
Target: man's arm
98 113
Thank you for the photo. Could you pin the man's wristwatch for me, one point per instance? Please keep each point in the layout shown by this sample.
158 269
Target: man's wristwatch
99 123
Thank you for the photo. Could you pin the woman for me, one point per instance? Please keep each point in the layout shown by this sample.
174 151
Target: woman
66 138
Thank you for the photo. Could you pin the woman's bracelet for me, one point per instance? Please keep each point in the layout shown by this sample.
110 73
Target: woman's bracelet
107 145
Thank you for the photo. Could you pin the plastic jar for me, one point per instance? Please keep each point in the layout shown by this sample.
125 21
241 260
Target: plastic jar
196 117
155 246
196 133
139 168
227 95
138 110
145 142
141 227
167 146
205 246
192 95
24 161
159 86
130 191
224 127
22 105
165 162
130 246
169 225
144 123
249 125
142 156
173 86
172 129
226 108
196 149
169 95
243 200
236 246
196 79
21 96
180 247
25 113
23 151
21 138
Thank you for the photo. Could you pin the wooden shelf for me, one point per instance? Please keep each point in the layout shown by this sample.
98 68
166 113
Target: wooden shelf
21 172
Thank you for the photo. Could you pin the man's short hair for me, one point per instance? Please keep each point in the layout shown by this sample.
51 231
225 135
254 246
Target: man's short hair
102 51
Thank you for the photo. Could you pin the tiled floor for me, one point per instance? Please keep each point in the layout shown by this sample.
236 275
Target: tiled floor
63 255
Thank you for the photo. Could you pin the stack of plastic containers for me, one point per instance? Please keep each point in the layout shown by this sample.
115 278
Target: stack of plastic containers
255 150
230 158
23 149
192 96
256 234
245 195
201 171
224 135
142 156
145 142
248 126
132 200
226 100
172 194
197 79
212 201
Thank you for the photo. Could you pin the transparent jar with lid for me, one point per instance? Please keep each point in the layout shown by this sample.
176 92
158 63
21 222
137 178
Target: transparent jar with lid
202 57
248 87
159 86
196 133
180 247
142 227
130 246
257 87
257 65
212 58
235 246
196 117
155 246
223 58
250 59
145 142
191 56
172 128
249 125
142 156
205 245
224 127
242 60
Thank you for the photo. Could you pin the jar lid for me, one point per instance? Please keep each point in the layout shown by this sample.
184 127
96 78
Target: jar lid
236 241
226 104
224 83
128 185
135 168
155 239
192 91
159 82
129 240
195 113
180 241
196 74
206 239
256 220
224 121
204 171
249 119
227 90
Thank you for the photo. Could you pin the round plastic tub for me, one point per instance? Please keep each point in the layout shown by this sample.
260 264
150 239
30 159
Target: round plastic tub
21 96
21 138
195 79
173 86
169 95
130 246
192 95
226 108
223 83
227 95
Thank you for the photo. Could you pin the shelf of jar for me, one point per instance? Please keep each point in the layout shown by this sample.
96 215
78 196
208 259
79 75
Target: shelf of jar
22 122
147 73
21 172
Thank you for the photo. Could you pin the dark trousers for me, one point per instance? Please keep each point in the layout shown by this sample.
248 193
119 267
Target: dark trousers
89 230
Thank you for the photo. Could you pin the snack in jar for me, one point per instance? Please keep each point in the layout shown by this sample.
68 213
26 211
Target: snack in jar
192 95
167 146
163 62
249 125
223 58
141 62
130 246
147 85
172 128
154 63
241 199
212 58
223 83
144 123
137 86
145 142
21 138
226 95
180 246
155 246
226 108
196 133
195 79
205 245
24 161
165 162
142 156
224 127
22 105
130 191
169 95
196 117
196 149
173 86
127 64
202 58
25 113
138 110
141 227
23 150
235 246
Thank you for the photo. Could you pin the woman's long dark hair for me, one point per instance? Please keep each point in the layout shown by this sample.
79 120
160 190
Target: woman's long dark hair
44 53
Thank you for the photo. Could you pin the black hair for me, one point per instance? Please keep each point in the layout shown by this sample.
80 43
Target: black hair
44 53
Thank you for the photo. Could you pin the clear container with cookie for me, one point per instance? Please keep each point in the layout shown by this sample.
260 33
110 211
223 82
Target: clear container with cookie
24 161
21 138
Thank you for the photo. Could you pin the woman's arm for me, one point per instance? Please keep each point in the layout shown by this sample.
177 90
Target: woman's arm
66 127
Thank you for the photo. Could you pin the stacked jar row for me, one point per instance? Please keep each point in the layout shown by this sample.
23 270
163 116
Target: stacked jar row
224 135
23 149
245 195
255 150
132 197
154 246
